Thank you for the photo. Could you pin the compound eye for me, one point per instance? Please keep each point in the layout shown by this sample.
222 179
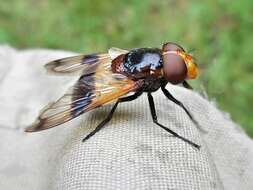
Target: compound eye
170 46
175 70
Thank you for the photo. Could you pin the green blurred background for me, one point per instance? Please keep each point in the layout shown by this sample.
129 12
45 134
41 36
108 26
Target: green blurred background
221 32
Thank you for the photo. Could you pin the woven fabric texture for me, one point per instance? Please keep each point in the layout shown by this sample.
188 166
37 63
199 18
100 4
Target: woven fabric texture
131 152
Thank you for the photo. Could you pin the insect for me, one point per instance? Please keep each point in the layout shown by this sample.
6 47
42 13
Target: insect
118 76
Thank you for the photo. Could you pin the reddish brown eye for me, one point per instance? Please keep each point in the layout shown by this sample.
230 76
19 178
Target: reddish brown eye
170 46
175 70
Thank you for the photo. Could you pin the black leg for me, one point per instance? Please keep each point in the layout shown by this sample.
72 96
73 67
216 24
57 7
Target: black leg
170 97
102 124
187 85
130 98
154 117
109 117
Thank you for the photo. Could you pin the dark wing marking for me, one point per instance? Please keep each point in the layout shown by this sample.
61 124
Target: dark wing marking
82 64
89 92
77 64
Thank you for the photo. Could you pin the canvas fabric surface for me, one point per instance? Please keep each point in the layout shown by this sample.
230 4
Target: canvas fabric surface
129 153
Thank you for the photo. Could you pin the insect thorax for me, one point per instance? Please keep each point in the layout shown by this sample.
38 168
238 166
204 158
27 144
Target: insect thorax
142 62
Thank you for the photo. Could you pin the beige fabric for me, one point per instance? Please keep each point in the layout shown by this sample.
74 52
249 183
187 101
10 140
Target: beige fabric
129 153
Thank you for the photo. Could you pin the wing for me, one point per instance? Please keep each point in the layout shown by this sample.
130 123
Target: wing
82 64
115 52
89 92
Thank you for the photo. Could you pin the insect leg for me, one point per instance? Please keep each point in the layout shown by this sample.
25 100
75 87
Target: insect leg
109 117
132 97
102 124
187 85
170 97
154 117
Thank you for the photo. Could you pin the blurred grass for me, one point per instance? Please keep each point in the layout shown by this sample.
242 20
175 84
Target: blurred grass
221 32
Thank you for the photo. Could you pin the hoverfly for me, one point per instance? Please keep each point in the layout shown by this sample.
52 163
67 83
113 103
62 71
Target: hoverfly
110 77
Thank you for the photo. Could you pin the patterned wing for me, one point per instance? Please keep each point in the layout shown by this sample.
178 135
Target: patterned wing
82 64
90 91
